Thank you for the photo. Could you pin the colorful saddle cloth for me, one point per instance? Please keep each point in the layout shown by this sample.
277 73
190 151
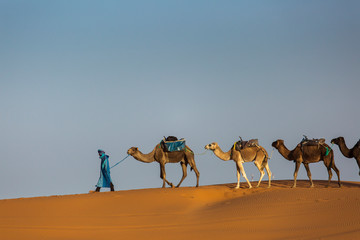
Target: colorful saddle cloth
172 144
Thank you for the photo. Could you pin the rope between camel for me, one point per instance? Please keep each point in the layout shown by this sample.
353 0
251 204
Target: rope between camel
271 153
120 161
203 153
198 154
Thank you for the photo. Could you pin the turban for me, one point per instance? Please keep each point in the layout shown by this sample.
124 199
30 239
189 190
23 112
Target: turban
101 151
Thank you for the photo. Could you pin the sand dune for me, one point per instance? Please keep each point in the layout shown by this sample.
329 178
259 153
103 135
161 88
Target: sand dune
207 212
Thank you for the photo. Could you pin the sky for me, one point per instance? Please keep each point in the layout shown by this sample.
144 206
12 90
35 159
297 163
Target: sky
76 76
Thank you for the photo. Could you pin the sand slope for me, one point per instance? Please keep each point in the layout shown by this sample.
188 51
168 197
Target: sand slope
207 212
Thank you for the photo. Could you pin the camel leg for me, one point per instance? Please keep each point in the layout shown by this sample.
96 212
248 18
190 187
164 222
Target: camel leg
241 167
163 176
262 173
184 169
330 176
197 173
337 173
358 162
327 162
268 173
238 176
309 174
331 164
297 166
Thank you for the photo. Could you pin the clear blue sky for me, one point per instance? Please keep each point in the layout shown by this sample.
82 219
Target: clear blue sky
76 76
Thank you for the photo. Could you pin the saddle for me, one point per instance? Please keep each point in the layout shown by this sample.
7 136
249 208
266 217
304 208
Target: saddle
171 138
172 144
311 142
239 145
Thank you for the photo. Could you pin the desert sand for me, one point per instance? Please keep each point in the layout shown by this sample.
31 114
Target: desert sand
207 212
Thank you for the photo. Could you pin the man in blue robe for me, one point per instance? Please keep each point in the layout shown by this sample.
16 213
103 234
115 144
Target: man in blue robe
105 179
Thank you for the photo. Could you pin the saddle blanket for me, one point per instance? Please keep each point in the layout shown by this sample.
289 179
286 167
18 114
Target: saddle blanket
312 142
245 144
173 146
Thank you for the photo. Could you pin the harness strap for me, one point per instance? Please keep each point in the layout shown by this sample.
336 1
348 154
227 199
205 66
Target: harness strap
328 149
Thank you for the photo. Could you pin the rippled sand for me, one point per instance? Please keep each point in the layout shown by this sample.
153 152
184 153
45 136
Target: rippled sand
207 212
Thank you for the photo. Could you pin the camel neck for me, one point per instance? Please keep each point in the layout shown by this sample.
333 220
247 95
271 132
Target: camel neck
147 158
222 155
286 153
344 149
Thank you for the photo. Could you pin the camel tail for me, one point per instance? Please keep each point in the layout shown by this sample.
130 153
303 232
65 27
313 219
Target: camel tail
266 159
187 160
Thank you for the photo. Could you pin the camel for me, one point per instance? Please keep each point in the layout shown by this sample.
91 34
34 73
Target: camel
158 155
308 154
349 153
258 155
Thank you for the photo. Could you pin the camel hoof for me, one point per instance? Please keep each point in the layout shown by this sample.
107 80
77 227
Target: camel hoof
237 187
311 186
293 186
250 187
268 186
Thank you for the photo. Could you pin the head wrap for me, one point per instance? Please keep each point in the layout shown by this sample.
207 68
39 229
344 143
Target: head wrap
101 151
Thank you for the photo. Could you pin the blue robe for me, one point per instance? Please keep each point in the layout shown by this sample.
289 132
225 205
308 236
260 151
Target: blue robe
105 179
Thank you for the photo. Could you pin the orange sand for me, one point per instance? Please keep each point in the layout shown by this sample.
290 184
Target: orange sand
207 212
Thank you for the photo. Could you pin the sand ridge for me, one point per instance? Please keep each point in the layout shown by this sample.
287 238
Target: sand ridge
207 212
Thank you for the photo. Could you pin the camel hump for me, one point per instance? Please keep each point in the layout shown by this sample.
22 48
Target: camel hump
357 144
239 145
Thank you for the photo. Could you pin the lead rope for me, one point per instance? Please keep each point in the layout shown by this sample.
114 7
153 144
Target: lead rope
120 161
203 153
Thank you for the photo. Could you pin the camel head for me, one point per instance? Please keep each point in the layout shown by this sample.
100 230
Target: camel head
132 151
211 146
277 143
337 140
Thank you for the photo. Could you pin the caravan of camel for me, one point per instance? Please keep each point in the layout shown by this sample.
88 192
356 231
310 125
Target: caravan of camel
307 151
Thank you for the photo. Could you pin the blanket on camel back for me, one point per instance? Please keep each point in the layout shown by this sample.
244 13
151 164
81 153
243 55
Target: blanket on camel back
172 144
239 145
312 142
